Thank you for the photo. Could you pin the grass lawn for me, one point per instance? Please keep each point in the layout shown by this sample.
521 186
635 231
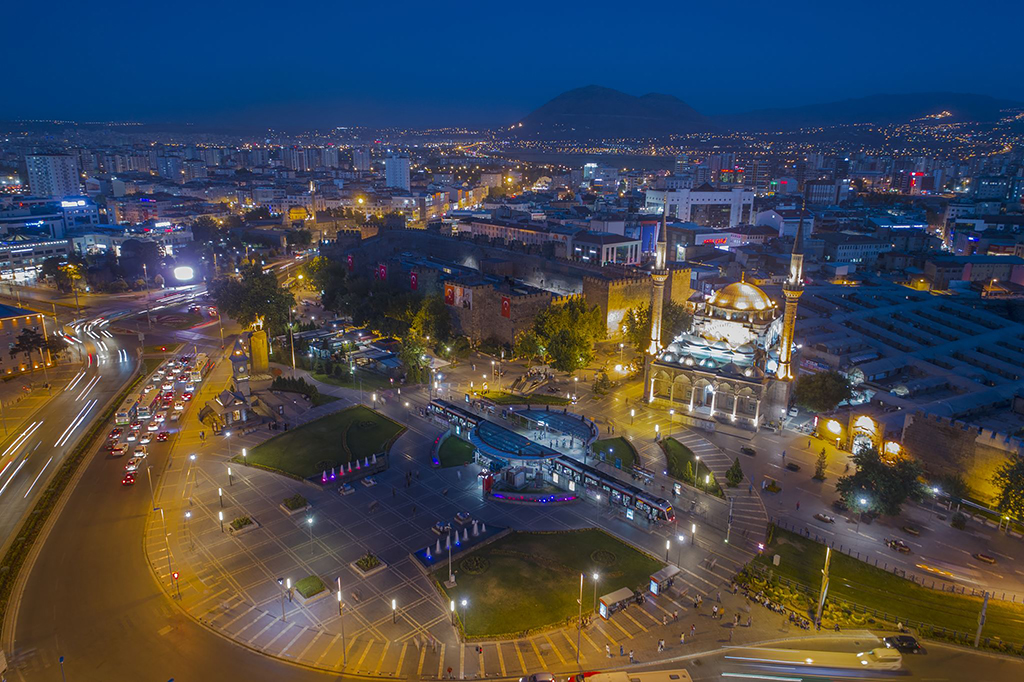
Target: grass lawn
861 583
333 440
526 581
310 586
370 380
678 456
149 365
455 452
615 448
505 398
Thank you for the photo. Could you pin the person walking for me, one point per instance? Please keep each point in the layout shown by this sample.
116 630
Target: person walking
631 656
661 645
682 638
693 630
664 620
608 650
718 597
622 651
798 504
750 620
675 616
730 634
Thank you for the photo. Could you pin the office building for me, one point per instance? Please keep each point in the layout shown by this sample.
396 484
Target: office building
361 160
53 175
396 171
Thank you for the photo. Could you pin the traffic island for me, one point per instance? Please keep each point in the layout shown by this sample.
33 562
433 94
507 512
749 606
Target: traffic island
618 452
342 446
525 582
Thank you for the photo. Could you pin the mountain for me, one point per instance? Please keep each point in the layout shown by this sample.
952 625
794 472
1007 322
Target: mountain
880 109
597 112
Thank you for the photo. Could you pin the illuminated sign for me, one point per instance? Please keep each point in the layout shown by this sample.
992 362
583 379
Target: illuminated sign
716 240
183 273
72 204
163 224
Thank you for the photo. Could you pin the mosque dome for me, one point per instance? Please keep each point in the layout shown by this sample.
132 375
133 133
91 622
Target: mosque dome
740 296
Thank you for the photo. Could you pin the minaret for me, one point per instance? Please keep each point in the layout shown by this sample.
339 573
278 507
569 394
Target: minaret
658 276
792 290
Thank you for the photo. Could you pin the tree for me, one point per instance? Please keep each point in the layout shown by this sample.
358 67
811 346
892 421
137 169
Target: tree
433 320
567 332
820 465
255 296
734 476
674 320
27 342
1009 478
528 346
883 486
413 357
205 229
821 392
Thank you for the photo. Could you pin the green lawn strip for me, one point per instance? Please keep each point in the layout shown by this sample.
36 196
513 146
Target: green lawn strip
615 448
368 381
14 558
333 440
855 581
310 586
455 452
505 398
149 365
678 456
529 581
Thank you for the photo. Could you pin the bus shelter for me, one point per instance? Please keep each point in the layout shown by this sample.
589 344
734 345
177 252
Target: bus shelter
663 579
612 602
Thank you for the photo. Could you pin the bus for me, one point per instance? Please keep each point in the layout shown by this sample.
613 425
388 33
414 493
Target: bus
648 676
793 659
127 413
144 412
200 366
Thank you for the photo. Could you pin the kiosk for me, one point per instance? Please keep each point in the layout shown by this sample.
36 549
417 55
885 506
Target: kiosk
663 579
612 602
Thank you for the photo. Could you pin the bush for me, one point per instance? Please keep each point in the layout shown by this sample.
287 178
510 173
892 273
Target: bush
241 522
734 476
959 521
368 562
294 502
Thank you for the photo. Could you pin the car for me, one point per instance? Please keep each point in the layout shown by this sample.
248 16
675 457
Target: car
149 387
141 451
135 425
910 530
132 436
747 450
132 464
168 386
179 405
169 395
186 396
538 677
986 558
118 451
840 505
905 644
792 466
129 479
190 387
159 417
825 518
898 545
346 489
115 434
146 438
153 426
175 416
161 437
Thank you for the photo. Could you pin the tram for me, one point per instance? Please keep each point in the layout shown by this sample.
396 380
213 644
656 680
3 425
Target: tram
618 493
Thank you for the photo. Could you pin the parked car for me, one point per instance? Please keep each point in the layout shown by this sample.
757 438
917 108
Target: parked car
538 677
747 450
792 466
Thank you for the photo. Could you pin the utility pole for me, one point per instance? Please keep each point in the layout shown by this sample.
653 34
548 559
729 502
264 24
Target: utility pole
145 271
981 620
579 623
291 337
728 529
824 588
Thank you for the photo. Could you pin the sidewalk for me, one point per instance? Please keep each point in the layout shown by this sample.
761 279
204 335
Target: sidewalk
17 404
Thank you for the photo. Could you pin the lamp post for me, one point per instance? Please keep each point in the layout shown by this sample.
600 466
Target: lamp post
280 583
579 623
679 554
244 455
693 533
671 420
220 517
632 414
668 546
861 503
696 473
309 523
188 528
230 480
452 606
596 576
227 436
465 603
291 338
341 614
394 611
621 346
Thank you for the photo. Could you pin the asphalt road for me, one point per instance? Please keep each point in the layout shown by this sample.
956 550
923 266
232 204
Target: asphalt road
30 455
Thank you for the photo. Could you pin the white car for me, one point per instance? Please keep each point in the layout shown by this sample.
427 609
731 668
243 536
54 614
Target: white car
168 386
146 437
133 435
141 452
190 387
132 464
159 417
179 405
150 387
153 426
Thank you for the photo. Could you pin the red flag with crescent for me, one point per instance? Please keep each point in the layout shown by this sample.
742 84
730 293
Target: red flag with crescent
382 269
506 306
449 294
351 263
413 281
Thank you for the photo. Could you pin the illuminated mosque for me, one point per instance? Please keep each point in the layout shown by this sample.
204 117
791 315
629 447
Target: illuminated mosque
734 364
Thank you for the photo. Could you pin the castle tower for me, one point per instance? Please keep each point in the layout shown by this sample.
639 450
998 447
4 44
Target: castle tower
658 277
792 290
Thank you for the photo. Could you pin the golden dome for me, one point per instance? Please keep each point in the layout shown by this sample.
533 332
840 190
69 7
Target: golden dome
741 296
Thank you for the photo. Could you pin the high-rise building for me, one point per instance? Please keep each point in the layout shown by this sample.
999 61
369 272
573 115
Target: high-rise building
396 171
682 164
53 175
361 160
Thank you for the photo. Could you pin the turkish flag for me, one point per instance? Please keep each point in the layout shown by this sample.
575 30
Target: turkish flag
413 281
449 294
351 263
383 270
506 307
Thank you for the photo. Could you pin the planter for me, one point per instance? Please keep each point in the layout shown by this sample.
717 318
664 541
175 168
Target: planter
293 512
244 529
367 573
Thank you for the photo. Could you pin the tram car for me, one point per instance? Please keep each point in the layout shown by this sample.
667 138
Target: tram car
616 492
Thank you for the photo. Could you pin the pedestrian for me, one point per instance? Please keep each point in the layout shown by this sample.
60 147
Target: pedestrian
682 638
394 491
750 489
661 645
736 621
414 511
718 597
675 616
608 650
459 474
783 456
450 673
622 652
808 442
664 620
693 630
798 504
631 656
750 620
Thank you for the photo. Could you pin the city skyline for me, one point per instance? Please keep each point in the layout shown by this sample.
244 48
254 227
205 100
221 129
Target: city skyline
216 67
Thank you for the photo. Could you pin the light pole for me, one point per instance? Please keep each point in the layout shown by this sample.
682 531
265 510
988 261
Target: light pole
291 338
596 576
679 554
693 533
220 495
61 661
394 611
452 606
227 437
668 546
244 454
579 623
220 517
465 603
188 528
309 522
861 503
145 271
671 420
231 481
280 583
632 414
696 473
341 614
575 388
621 346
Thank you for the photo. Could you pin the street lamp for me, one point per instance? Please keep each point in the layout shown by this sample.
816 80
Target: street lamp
862 502
188 527
632 414
696 473
621 346
220 517
394 611
596 576
244 454
668 545
679 555
220 495
309 522
227 436
693 533
579 623
452 605
465 603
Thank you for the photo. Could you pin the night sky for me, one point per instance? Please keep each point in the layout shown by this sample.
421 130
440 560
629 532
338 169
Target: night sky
481 63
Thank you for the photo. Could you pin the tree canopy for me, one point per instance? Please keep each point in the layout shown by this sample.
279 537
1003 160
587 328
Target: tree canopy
567 332
674 320
884 486
256 294
821 392
1009 478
